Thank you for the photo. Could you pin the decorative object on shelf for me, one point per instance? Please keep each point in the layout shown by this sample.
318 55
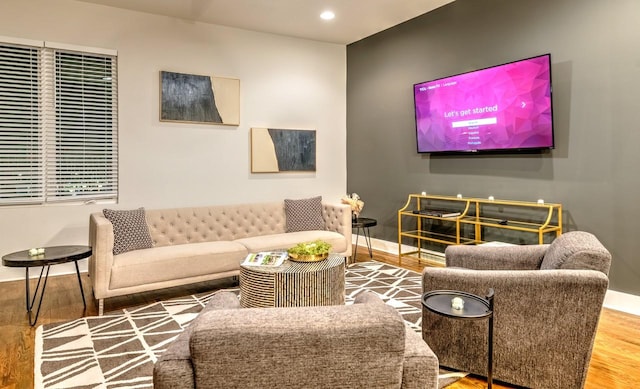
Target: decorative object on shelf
309 251
277 150
199 99
355 203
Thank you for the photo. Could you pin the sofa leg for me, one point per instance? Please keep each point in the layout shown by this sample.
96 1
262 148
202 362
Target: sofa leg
100 307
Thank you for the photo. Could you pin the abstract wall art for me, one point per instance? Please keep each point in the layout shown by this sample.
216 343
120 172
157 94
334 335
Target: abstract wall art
277 150
199 99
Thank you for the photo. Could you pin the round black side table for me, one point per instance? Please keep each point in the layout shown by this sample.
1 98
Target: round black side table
51 256
475 307
363 223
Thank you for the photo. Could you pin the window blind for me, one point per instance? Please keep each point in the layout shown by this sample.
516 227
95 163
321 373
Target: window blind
21 158
81 159
58 125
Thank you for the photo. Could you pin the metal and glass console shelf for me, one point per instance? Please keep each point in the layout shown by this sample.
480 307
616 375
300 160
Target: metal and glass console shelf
470 221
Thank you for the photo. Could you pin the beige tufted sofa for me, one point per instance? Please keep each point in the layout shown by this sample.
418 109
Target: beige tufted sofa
200 244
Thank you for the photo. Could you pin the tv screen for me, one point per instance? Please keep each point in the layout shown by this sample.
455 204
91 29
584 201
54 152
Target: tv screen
501 108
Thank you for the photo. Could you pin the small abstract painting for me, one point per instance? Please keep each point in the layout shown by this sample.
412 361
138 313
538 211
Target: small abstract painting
275 150
199 99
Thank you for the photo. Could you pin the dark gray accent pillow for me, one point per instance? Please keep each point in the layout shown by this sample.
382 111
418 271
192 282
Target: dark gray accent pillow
304 214
130 230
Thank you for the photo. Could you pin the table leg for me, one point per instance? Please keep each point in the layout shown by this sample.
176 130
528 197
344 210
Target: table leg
355 250
26 277
490 348
367 239
80 283
31 300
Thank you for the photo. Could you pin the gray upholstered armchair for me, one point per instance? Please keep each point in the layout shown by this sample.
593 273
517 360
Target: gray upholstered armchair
547 304
363 345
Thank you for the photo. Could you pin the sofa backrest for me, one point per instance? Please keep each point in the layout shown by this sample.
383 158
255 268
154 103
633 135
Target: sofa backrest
577 250
213 223
228 222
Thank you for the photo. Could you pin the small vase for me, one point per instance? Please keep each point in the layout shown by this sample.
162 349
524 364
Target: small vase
354 217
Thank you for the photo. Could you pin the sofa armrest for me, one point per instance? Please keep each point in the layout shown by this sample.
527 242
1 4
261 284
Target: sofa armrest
337 218
101 260
174 369
524 257
420 368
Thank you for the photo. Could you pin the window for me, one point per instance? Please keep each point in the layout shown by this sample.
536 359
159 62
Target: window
58 125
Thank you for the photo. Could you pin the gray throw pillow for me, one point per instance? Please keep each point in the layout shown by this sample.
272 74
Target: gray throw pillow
304 214
130 230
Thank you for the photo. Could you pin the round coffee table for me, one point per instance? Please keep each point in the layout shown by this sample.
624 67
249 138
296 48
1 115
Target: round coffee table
293 284
51 256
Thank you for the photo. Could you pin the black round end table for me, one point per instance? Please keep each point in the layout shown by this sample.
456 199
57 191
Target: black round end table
363 223
51 256
475 307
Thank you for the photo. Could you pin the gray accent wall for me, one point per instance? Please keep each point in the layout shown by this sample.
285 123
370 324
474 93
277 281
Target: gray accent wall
594 169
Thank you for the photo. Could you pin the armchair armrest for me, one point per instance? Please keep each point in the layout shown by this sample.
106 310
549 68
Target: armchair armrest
524 257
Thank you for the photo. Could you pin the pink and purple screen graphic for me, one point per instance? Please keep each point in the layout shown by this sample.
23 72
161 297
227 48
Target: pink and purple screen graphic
503 107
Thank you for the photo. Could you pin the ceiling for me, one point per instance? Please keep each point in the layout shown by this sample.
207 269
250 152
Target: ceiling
355 19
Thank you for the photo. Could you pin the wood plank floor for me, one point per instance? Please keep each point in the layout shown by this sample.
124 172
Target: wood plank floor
614 363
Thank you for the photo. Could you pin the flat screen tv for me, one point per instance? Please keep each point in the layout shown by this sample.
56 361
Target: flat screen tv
503 108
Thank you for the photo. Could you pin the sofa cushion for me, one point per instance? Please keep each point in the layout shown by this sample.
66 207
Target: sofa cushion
176 262
304 214
130 230
287 240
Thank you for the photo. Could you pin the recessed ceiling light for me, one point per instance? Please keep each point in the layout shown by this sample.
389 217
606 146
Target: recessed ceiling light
327 15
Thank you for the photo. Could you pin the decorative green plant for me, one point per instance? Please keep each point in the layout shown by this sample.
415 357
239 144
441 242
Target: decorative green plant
310 248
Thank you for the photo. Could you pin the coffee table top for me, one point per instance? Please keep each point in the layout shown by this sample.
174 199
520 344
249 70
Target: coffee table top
289 266
51 256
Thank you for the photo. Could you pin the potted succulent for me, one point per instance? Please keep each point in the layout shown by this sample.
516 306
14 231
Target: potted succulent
309 251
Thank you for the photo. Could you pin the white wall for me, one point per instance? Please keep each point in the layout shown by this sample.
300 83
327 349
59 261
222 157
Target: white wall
284 82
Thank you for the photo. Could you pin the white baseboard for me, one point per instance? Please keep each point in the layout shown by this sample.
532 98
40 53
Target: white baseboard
624 302
618 301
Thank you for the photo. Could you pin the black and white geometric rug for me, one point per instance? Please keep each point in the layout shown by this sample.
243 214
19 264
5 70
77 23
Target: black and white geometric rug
118 350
